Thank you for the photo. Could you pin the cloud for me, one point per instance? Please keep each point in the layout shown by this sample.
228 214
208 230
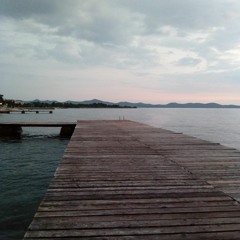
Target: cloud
187 61
25 8
159 41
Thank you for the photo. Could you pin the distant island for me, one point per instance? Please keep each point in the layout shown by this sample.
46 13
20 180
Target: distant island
95 103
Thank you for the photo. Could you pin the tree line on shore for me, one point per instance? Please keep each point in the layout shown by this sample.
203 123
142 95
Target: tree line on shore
9 103
69 105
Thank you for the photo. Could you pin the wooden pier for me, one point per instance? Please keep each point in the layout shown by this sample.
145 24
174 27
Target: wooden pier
15 128
126 180
26 110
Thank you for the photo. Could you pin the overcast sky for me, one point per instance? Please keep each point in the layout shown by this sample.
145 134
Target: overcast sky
154 51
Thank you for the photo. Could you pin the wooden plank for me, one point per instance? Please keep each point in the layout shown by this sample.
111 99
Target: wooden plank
233 235
73 223
133 231
50 206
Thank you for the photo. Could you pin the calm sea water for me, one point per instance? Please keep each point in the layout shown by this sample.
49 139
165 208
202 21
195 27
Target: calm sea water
27 165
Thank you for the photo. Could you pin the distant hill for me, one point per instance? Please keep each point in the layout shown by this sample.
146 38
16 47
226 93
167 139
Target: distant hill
140 104
197 105
93 101
177 105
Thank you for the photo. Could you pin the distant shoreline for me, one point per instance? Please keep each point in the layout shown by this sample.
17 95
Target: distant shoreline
95 103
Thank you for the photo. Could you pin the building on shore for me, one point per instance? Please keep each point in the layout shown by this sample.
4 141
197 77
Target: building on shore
19 102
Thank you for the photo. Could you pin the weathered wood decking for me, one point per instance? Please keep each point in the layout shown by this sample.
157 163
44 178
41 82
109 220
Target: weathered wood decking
126 180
